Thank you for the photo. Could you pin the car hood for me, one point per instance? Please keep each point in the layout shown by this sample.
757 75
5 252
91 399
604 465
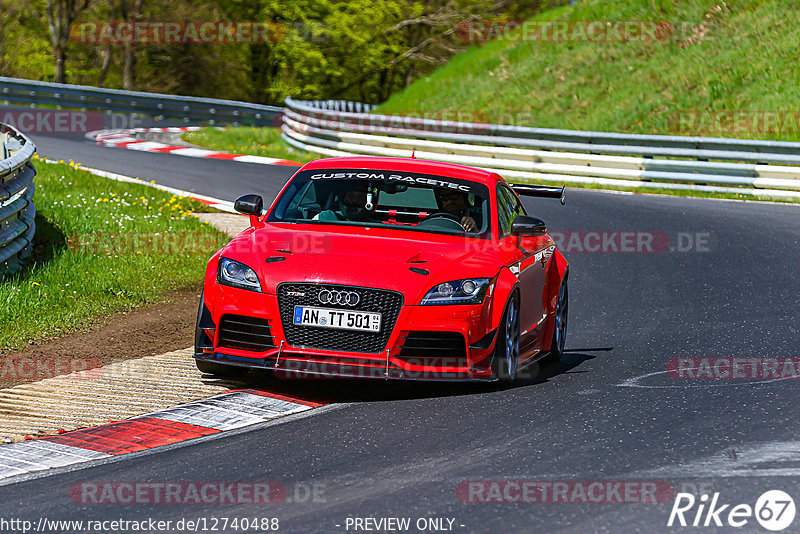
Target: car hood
368 257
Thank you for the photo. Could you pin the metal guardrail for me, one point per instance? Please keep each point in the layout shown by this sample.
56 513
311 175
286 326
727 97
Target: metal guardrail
341 105
339 127
17 212
186 108
762 168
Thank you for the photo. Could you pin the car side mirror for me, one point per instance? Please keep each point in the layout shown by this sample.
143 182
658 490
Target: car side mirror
251 205
527 225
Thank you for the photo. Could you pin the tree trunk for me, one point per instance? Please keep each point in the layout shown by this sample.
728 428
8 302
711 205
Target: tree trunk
60 59
60 16
259 71
3 61
106 64
129 12
128 68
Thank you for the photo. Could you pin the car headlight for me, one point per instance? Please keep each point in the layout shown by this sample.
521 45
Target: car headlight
469 291
235 274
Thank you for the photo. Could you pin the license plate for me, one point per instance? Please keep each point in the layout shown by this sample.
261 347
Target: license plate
344 319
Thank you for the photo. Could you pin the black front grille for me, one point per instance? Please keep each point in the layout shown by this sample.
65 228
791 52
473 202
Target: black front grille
387 303
245 333
440 349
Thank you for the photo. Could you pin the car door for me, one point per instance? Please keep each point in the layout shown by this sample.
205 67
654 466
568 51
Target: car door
527 263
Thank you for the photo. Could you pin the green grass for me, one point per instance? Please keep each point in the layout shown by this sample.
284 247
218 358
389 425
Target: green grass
265 142
744 59
737 56
101 247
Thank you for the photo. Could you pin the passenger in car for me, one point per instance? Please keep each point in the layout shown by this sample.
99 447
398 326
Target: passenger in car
351 203
457 203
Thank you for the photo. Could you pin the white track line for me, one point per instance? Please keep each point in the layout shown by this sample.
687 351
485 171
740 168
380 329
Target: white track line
127 139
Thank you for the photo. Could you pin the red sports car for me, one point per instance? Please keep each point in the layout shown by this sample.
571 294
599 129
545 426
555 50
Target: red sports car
386 268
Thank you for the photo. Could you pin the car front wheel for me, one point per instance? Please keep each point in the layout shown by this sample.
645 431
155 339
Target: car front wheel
506 353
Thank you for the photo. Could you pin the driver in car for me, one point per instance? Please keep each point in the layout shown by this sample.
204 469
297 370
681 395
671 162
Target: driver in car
456 203
352 203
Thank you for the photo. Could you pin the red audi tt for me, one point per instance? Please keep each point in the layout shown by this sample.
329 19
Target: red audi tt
386 268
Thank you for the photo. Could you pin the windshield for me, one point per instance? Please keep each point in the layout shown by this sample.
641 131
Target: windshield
420 202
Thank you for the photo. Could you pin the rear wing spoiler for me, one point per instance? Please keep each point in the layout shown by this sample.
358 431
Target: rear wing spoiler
540 191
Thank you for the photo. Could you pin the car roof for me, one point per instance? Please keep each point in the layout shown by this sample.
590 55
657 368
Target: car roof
421 166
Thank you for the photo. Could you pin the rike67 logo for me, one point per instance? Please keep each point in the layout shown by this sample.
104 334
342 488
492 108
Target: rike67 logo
774 510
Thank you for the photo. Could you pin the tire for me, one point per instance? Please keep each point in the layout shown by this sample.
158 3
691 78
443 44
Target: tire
216 369
559 326
505 361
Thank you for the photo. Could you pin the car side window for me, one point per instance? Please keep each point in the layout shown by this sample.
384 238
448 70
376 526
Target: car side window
508 207
514 202
503 220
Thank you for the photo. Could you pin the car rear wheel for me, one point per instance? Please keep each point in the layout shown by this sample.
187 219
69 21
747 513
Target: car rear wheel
559 325
506 353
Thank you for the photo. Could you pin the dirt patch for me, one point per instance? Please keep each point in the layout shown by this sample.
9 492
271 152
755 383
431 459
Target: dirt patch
148 331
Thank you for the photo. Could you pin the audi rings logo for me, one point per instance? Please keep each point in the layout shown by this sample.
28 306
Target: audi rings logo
343 298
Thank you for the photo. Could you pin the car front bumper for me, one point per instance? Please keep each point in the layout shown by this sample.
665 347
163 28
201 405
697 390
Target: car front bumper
397 361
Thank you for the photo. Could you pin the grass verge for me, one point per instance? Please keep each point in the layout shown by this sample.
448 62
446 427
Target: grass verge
265 142
101 247
716 57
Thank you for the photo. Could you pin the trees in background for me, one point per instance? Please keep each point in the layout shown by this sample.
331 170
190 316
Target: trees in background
356 49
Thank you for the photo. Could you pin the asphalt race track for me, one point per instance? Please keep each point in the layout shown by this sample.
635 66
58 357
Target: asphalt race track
215 178
608 412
